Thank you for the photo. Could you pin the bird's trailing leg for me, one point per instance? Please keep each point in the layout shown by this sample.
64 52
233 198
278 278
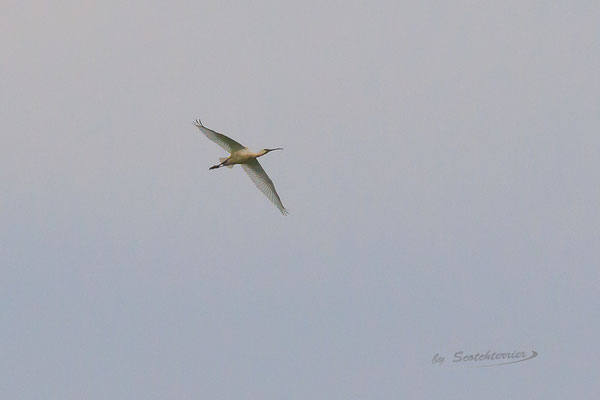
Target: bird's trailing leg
222 164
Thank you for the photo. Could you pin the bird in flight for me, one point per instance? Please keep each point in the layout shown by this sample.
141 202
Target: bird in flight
240 154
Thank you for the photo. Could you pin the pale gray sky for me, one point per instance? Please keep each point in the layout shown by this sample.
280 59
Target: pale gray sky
441 168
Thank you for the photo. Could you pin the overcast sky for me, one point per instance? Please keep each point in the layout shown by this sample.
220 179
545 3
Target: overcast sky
440 165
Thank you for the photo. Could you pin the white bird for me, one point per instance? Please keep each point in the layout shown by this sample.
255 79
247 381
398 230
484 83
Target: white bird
242 155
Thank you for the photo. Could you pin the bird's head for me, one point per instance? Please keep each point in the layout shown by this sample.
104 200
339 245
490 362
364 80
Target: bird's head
265 151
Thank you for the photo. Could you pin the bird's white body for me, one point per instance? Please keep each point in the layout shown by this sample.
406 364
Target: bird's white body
243 156
247 158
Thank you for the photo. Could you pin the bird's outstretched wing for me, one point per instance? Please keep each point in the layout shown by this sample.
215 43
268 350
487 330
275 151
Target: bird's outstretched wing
262 181
225 142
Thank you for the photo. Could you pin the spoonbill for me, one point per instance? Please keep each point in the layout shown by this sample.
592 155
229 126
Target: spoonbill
240 154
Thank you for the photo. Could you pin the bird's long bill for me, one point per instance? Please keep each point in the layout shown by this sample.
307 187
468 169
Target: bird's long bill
278 148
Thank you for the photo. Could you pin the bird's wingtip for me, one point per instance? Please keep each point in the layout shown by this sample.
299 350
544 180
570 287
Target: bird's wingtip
197 122
285 211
